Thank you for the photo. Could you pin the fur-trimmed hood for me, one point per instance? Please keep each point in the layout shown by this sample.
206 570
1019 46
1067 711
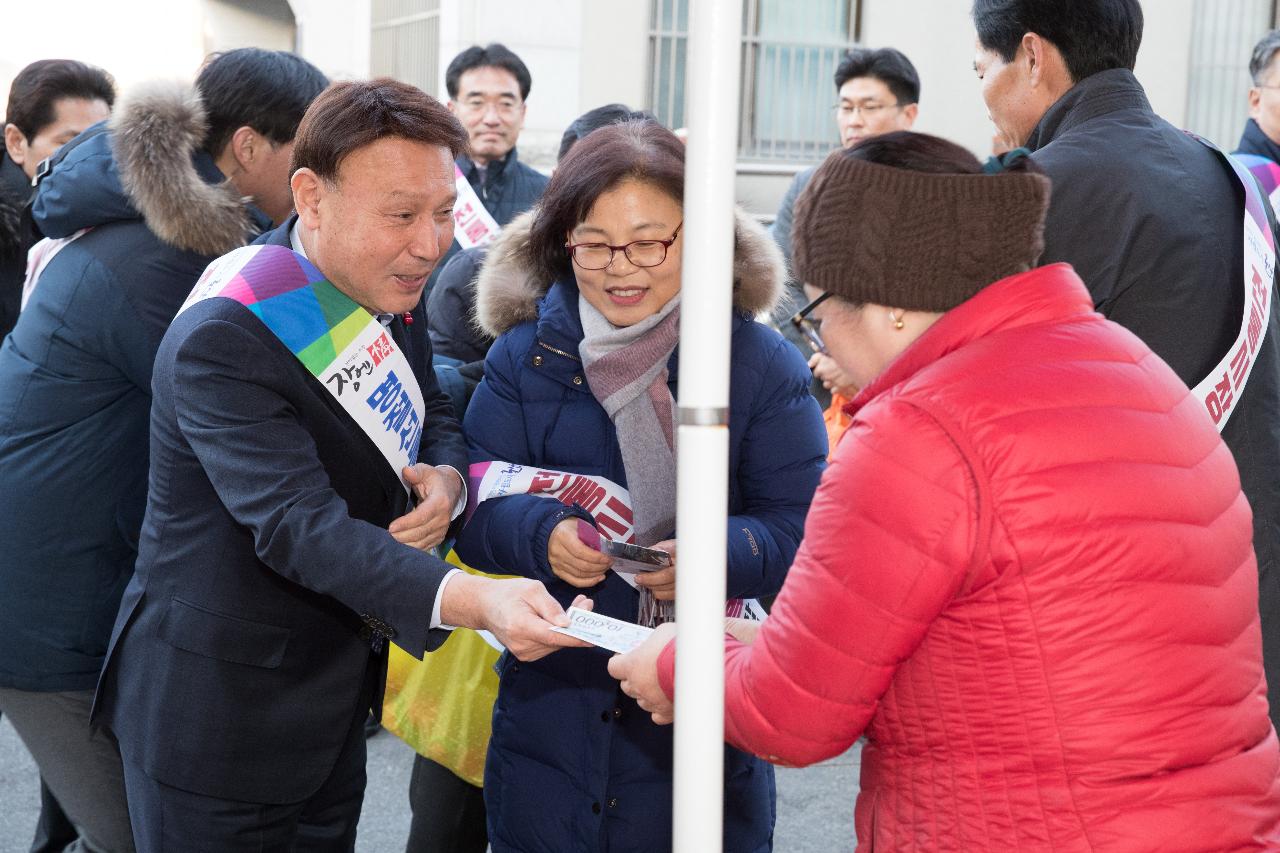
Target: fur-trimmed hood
155 133
149 166
507 294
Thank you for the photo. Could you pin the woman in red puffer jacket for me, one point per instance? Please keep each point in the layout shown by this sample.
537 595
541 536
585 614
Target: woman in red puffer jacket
1027 575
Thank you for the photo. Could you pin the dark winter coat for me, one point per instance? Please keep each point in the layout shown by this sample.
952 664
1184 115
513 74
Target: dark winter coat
1254 141
459 345
75 378
1151 220
451 307
573 763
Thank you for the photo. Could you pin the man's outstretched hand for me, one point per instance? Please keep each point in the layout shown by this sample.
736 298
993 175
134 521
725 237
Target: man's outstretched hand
518 611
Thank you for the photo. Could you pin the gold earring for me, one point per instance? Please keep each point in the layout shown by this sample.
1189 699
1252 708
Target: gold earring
897 321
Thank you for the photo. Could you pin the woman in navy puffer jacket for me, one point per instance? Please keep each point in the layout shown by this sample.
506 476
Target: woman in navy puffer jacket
574 765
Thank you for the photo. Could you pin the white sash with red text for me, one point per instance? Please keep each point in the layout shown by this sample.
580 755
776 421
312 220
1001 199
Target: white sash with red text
607 502
1220 391
473 225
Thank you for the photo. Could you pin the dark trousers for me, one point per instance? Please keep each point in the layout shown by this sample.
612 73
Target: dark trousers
170 820
80 765
54 830
448 812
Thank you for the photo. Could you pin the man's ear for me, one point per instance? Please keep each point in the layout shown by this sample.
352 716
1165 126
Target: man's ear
15 142
909 115
1045 66
309 190
452 105
245 144
1255 104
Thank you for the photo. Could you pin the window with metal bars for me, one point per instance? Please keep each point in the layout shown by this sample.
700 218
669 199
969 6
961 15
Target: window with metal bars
405 42
790 50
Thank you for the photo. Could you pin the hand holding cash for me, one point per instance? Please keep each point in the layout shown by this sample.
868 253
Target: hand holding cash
638 672
604 631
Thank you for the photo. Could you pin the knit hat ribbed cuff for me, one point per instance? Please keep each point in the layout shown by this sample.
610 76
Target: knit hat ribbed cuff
915 240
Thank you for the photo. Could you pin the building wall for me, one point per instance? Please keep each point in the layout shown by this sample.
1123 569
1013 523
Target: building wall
237 24
147 38
334 36
1164 61
614 58
136 40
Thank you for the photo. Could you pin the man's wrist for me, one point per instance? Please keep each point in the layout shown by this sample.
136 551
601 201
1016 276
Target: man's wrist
461 603
457 486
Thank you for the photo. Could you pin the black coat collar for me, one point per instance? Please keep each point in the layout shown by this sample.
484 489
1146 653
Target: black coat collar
1255 141
1106 92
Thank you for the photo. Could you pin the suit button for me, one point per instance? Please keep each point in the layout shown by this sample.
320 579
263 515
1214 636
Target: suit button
604 716
537 361
595 808
577 380
613 802
617 713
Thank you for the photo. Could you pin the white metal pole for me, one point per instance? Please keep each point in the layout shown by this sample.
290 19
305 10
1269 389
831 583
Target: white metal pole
711 98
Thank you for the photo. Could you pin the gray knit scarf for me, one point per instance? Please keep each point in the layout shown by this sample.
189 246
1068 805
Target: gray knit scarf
627 372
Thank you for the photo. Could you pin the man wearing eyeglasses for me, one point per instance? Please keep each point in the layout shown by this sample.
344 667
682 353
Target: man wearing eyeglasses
1261 135
878 91
488 87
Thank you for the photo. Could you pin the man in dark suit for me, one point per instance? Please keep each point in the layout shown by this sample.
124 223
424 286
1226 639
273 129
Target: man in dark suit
282 548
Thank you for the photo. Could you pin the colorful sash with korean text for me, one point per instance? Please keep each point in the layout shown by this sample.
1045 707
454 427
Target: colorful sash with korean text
607 502
341 344
1220 391
473 225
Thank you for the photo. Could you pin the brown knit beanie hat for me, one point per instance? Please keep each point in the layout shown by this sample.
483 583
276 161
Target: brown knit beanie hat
917 240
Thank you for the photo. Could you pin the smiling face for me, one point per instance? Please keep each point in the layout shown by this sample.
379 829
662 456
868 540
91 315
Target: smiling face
623 292
380 227
491 109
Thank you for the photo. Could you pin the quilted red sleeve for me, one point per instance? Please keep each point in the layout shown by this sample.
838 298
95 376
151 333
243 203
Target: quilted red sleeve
887 543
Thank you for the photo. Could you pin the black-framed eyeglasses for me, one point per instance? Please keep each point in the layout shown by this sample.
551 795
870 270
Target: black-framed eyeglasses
641 253
811 328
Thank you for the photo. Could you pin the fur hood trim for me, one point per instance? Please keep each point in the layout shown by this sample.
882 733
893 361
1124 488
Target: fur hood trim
507 295
155 131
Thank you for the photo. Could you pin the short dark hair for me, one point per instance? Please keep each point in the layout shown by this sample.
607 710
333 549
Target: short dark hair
491 56
638 149
1263 52
885 64
1091 35
267 90
593 120
42 84
350 115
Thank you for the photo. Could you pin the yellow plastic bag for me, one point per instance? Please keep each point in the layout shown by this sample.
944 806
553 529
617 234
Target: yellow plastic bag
442 705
